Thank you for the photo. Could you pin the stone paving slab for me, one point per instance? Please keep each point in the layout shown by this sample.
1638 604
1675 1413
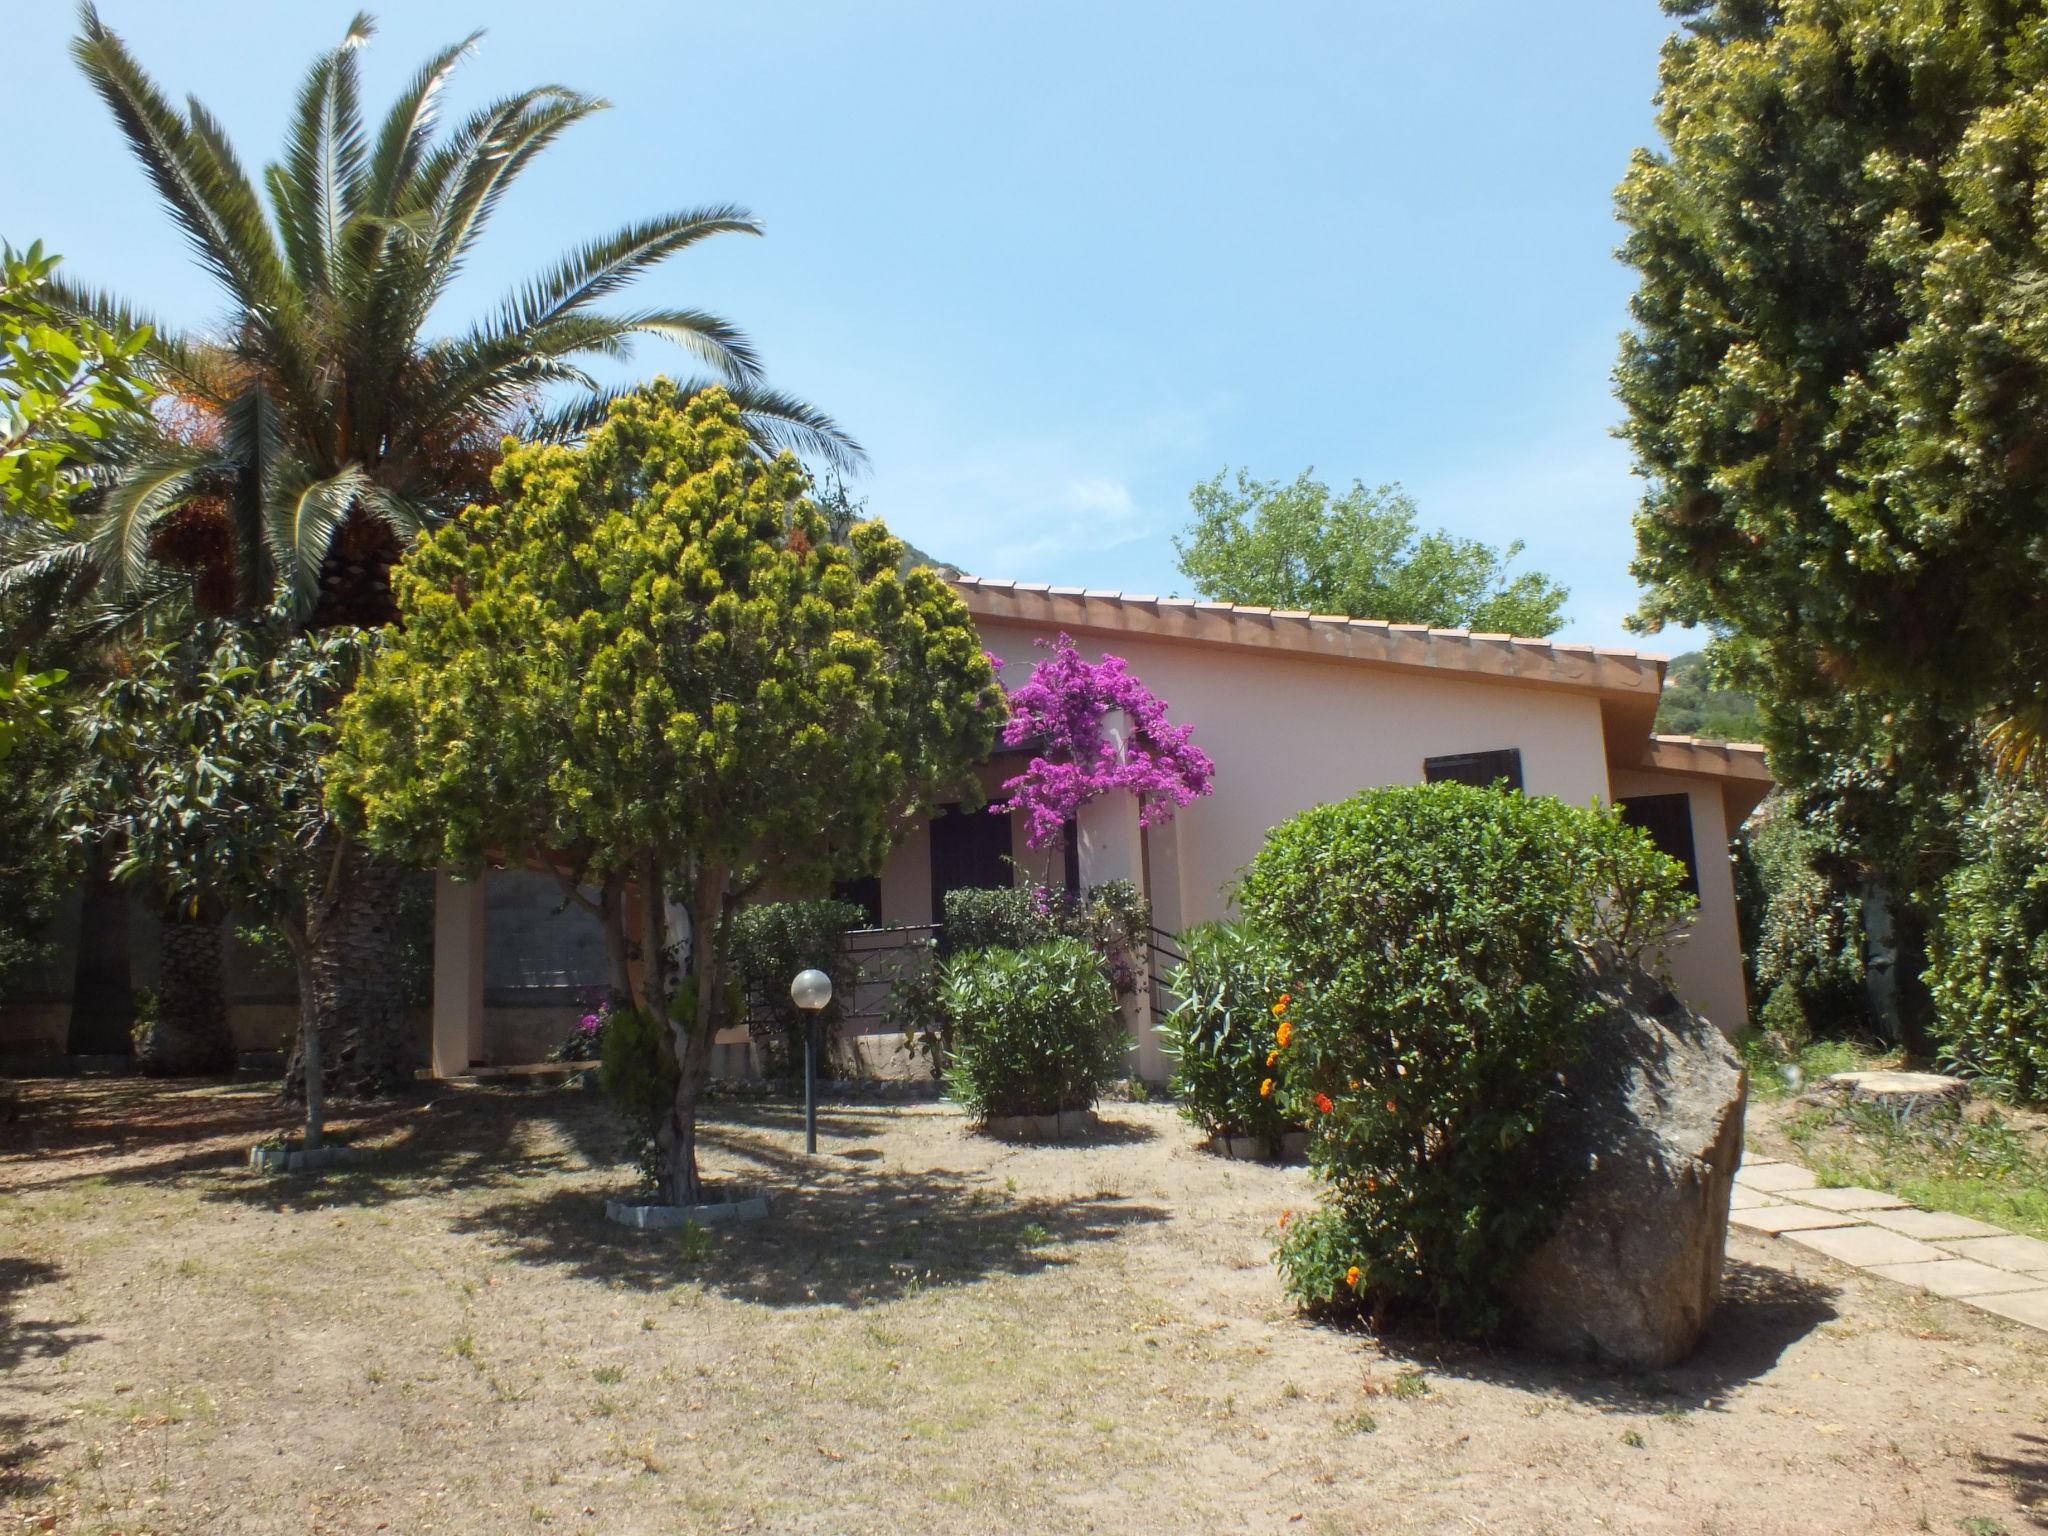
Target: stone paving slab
1932 1226
1774 1178
1850 1199
2029 1307
2007 1251
1743 1198
1959 1277
1868 1247
1790 1218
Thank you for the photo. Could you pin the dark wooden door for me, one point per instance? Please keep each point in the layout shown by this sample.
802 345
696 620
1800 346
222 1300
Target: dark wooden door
970 851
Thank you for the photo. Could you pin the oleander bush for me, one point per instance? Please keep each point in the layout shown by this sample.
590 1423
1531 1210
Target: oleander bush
1225 1034
1034 1031
1437 942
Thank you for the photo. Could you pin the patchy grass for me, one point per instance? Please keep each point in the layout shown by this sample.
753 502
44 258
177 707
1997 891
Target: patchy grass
1987 1164
933 1331
1774 1077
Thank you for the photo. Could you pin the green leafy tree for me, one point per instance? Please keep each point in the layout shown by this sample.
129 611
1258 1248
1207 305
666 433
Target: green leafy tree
1837 383
209 786
65 383
1301 546
1695 702
326 425
645 661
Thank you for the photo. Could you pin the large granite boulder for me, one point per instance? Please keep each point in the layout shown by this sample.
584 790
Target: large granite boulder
1653 1126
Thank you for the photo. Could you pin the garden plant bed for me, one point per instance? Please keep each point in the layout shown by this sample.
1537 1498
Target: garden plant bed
938 1331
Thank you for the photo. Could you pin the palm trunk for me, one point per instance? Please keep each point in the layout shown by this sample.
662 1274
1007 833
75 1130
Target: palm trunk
363 1029
190 1036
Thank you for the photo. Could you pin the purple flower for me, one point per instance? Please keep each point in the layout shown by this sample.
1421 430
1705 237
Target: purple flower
1061 708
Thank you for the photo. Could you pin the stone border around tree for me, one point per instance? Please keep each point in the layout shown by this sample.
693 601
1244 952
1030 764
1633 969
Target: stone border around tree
1252 1149
747 1203
1064 1126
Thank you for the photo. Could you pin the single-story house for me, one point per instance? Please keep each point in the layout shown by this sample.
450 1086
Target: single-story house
1296 710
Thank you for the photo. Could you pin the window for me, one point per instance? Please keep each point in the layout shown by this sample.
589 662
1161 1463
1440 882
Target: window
1668 820
1479 769
865 893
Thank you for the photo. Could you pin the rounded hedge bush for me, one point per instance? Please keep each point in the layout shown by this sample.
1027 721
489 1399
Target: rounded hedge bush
1436 941
1035 1031
1229 1074
1988 957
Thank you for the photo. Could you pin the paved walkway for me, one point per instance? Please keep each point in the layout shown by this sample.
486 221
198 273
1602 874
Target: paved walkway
1971 1261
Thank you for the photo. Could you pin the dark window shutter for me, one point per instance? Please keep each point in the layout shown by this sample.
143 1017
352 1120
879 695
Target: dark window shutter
1668 820
1481 770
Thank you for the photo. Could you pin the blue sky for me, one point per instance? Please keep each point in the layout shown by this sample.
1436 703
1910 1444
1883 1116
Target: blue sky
1051 263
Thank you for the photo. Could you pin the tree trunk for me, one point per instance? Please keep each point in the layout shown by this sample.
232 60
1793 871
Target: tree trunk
352 941
694 1041
306 1050
189 1036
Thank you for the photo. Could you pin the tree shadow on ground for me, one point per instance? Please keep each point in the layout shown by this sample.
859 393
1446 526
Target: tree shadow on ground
1763 1312
2021 1476
836 1234
21 1342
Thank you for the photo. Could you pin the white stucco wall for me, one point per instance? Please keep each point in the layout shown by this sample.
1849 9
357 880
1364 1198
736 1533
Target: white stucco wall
1287 732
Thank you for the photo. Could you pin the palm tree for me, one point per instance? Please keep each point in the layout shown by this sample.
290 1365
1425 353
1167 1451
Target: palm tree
314 438
303 446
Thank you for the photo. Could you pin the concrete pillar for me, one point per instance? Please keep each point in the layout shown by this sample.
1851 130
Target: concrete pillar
458 973
1112 847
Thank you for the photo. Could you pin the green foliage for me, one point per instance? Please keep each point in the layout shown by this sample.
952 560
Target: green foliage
37 866
647 657
204 770
1803 928
1003 917
1229 1073
1035 1030
1696 703
1302 546
771 942
638 1071
1989 962
65 381
1836 384
1436 939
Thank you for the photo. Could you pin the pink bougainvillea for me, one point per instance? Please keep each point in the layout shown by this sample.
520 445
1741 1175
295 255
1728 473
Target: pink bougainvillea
1060 712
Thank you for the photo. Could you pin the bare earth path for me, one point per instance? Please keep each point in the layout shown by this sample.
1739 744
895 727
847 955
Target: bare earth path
935 1333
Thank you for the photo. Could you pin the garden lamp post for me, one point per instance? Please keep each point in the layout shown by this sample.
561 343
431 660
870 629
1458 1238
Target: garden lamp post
811 991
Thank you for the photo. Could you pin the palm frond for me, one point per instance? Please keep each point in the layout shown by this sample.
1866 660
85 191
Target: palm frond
604 266
487 156
303 511
321 181
2018 742
408 130
199 188
252 439
131 505
184 361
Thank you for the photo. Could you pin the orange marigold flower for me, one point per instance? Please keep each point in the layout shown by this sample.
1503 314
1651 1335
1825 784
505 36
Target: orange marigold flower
1271 1057
1266 1089
1285 1217
1390 1107
1351 1277
1323 1103
1284 1033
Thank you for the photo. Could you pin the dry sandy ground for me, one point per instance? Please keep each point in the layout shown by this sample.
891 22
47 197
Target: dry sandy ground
934 1332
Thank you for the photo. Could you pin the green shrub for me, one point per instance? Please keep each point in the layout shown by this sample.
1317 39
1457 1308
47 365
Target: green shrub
1802 926
1226 1072
1011 917
1988 967
639 1076
1437 941
771 942
1035 1030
